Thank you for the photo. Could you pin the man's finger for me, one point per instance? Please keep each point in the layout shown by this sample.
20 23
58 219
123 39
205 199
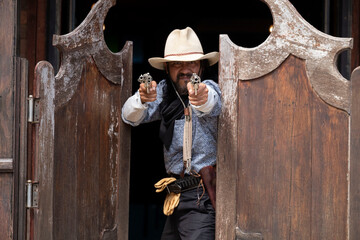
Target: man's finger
198 103
146 98
190 88
153 85
152 88
202 88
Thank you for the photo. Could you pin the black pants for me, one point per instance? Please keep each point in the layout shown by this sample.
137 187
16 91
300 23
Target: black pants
191 221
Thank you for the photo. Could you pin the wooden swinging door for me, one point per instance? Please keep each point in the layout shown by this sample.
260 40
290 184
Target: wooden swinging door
286 152
80 182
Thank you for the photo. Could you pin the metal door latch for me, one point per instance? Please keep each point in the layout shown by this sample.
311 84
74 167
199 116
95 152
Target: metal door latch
32 194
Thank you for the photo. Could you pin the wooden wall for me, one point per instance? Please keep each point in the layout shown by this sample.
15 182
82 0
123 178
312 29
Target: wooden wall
13 90
7 50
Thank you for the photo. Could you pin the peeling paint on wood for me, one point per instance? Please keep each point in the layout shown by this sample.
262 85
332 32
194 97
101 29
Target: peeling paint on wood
82 146
44 149
87 40
293 35
284 135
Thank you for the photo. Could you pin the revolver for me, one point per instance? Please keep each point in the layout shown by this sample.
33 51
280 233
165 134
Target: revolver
146 78
195 80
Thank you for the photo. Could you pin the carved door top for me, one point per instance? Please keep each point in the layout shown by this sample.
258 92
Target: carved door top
292 35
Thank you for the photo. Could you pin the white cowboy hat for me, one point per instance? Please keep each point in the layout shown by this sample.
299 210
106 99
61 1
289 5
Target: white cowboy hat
183 45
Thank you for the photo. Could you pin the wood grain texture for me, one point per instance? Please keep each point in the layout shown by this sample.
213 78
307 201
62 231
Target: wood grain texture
7 50
355 157
9 127
283 153
43 148
20 148
292 160
87 146
6 208
293 35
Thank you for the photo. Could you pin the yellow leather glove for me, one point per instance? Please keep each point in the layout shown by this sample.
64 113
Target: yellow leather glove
171 202
161 185
172 199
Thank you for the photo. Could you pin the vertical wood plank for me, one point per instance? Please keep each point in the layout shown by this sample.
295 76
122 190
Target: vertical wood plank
355 157
20 150
6 208
7 50
330 171
90 144
43 150
255 155
289 120
227 147
124 147
292 158
274 150
8 125
67 151
88 158
84 169
96 166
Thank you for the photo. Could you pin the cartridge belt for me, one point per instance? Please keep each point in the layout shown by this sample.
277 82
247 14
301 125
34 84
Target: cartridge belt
186 183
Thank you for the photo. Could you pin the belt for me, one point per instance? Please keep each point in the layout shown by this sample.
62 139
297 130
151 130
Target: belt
184 184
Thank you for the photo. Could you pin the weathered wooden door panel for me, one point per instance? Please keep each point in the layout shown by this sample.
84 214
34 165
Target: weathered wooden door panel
355 156
283 160
13 126
90 171
7 53
292 158
83 147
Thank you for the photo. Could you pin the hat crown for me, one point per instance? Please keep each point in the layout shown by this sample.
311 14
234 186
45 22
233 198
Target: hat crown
182 42
183 45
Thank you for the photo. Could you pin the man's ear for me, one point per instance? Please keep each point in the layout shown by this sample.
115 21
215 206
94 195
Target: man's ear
166 67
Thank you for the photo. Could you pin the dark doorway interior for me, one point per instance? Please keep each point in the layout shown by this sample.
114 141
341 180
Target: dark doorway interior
147 24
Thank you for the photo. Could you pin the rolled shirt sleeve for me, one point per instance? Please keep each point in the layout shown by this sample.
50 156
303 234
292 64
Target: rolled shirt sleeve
133 111
210 103
213 103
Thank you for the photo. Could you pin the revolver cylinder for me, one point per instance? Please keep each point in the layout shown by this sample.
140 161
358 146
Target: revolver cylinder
146 78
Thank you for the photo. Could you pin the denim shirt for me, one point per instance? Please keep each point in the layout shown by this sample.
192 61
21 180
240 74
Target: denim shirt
204 126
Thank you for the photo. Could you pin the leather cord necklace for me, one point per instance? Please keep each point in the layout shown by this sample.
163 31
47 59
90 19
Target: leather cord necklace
187 137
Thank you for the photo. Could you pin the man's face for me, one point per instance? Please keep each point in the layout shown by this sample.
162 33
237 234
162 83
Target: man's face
181 72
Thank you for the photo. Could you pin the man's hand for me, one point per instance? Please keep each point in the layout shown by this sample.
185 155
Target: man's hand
148 97
202 94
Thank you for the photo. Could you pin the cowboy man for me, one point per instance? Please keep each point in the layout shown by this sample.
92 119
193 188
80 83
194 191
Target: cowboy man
188 130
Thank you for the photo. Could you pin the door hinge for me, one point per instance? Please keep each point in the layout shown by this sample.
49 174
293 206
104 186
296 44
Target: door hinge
32 194
33 109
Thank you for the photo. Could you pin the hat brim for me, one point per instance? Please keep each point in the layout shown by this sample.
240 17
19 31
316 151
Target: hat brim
158 62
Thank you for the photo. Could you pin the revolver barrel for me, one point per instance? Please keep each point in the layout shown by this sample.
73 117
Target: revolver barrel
195 81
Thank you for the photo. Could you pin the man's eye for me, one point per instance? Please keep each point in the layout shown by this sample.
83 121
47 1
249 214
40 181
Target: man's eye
176 64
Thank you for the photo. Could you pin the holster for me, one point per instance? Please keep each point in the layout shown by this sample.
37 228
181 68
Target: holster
208 175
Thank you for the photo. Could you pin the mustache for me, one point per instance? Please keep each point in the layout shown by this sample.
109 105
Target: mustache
181 75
